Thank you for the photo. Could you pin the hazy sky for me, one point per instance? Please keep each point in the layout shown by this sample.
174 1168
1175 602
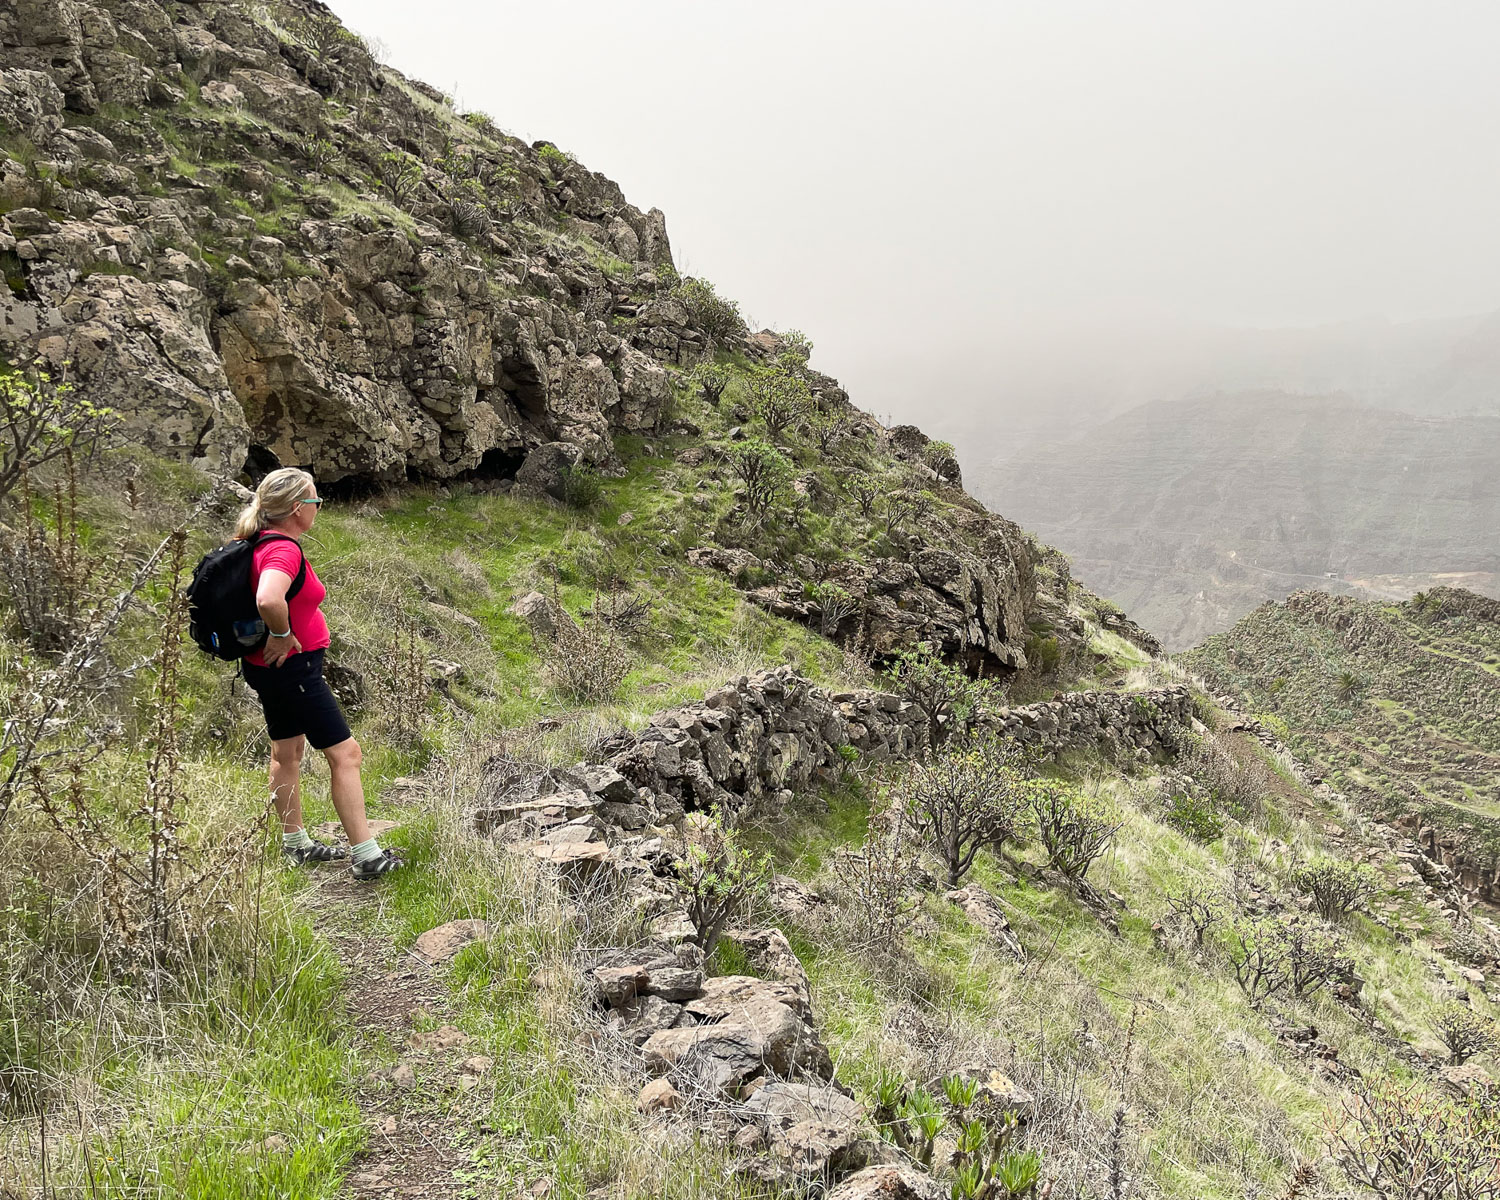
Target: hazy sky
919 184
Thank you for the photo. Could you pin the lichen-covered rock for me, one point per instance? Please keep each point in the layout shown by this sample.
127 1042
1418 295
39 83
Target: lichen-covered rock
889 1182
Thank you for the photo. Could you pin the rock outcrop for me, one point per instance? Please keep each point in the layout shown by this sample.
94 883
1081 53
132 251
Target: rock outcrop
285 307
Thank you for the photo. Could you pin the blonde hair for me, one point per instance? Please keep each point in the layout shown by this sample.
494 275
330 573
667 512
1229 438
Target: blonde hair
275 500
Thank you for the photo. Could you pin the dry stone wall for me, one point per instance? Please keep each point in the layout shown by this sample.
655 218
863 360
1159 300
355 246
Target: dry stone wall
756 742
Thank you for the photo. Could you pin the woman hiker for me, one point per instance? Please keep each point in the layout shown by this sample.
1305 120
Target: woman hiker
287 675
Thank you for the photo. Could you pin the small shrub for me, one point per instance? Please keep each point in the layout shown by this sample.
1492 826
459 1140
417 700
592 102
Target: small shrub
1274 955
1196 908
401 174
864 490
966 798
779 397
557 160
827 429
711 379
1238 788
1194 816
1465 1032
41 419
877 880
1397 1140
716 877
947 698
835 606
796 347
582 486
943 459
1043 653
764 470
717 317
1336 887
588 660
1074 827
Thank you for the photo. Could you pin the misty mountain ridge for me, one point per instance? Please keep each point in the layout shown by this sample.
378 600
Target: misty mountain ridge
1191 512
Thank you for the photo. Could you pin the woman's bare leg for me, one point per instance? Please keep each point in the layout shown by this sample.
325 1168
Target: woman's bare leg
286 775
348 790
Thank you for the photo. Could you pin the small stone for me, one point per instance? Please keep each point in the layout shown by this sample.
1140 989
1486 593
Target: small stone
388 1126
441 944
658 1096
478 1064
751 1138
404 1077
444 1038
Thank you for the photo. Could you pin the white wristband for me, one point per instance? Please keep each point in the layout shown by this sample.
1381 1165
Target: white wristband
287 634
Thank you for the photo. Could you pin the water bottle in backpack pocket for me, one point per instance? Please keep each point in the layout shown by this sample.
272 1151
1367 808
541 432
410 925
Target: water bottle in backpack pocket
223 619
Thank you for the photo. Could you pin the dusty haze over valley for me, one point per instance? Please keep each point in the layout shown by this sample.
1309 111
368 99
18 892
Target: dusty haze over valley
1013 224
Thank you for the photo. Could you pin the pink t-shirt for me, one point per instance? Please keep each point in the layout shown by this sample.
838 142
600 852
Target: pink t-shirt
307 618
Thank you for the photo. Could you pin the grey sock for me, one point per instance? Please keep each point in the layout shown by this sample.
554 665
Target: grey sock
364 852
297 839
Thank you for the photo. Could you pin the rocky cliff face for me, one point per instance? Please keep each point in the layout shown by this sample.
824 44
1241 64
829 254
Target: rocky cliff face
235 227
196 222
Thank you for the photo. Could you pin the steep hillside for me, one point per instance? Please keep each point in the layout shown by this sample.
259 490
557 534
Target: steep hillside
779 821
1396 704
1189 513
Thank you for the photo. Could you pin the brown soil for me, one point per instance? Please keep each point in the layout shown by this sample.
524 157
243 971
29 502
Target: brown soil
391 995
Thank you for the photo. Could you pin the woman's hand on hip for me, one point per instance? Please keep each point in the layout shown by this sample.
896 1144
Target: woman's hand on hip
278 650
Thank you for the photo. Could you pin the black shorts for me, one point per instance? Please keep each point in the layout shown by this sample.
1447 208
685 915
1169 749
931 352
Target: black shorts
297 700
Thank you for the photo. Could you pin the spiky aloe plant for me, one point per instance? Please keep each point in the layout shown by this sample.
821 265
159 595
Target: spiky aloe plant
1018 1172
924 1120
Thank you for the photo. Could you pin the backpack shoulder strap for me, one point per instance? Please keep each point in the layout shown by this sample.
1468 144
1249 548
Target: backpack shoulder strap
301 576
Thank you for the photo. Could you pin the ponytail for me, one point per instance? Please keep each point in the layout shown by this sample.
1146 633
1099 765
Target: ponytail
251 520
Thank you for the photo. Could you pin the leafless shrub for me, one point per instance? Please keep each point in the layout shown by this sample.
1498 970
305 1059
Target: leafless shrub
588 659
1196 909
154 889
1239 787
626 613
52 579
877 880
403 686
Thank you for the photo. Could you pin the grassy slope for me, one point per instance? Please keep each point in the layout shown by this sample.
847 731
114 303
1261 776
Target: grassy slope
1212 1102
1417 732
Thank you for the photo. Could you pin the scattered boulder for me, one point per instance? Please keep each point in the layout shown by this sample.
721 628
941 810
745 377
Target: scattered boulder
889 1182
441 944
985 911
658 1096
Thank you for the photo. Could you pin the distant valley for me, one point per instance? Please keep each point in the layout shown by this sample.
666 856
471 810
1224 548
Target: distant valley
1189 513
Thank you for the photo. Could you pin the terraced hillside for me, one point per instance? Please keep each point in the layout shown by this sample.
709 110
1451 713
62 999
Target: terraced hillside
1397 703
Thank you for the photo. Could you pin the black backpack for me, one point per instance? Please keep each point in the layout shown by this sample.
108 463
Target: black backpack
222 615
